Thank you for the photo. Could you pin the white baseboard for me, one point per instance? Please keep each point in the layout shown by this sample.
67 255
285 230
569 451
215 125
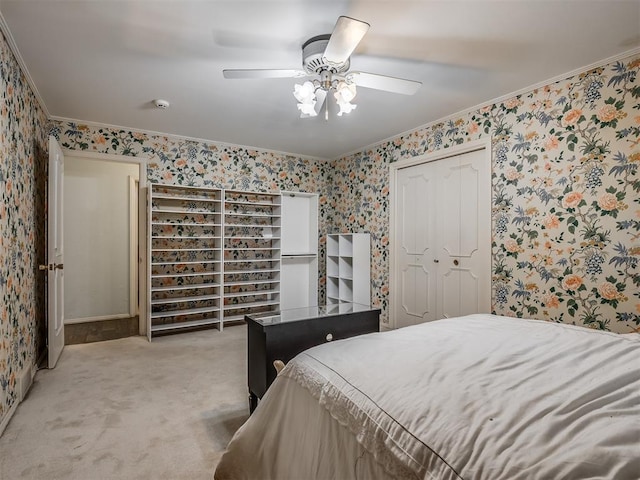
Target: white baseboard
23 384
7 417
25 380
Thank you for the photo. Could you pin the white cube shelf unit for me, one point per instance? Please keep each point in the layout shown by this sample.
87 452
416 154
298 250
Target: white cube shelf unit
185 258
251 253
348 268
299 276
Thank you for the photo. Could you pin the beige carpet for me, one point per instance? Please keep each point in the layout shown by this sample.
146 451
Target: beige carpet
129 409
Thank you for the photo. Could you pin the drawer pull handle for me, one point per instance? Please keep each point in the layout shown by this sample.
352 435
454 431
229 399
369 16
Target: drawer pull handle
329 337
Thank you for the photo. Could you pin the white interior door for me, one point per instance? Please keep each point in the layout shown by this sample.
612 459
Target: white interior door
55 253
464 236
442 260
415 251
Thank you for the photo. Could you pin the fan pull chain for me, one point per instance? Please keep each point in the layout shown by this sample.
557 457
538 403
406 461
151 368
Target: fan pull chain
326 111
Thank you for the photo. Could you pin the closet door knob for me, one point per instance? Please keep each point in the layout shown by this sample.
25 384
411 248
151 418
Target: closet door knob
456 262
435 260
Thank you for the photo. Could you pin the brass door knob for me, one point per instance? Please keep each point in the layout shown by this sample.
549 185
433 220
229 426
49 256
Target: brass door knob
58 266
43 267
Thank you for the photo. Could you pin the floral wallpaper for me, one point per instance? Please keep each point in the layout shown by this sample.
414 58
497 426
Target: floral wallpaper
23 165
566 197
566 208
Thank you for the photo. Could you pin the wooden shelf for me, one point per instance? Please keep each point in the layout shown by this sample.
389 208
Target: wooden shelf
183 312
176 325
189 274
250 282
195 286
252 293
238 306
186 224
164 301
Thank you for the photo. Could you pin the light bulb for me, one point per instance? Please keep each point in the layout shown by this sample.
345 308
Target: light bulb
304 93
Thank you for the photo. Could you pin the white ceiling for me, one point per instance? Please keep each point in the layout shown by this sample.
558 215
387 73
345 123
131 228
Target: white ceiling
105 60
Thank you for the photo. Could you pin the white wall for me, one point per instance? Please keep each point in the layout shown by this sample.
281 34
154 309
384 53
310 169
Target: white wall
96 236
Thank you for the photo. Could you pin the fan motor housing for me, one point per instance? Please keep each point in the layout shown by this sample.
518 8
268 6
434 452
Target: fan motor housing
313 60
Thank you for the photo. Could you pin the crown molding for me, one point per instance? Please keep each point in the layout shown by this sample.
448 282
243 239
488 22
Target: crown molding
184 137
4 28
502 98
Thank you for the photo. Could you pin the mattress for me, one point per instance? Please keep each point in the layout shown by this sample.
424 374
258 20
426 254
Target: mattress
475 397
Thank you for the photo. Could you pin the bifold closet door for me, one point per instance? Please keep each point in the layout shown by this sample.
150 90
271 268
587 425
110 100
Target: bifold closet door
415 244
463 238
442 246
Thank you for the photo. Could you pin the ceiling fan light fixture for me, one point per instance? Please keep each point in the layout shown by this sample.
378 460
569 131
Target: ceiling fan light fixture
345 92
305 93
308 109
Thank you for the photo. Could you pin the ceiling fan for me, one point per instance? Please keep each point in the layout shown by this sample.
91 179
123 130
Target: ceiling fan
326 58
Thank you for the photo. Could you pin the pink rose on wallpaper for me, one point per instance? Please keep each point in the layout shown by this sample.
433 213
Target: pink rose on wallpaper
608 202
572 282
512 246
551 221
608 291
571 200
512 103
512 174
551 143
550 301
607 113
572 116
472 128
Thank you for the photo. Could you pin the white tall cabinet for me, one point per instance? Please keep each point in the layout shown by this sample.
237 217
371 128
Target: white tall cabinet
349 268
299 275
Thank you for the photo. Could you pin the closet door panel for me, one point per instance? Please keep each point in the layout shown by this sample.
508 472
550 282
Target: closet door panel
416 284
469 214
414 269
449 204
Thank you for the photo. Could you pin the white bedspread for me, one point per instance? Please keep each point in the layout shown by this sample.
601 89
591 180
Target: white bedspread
477 397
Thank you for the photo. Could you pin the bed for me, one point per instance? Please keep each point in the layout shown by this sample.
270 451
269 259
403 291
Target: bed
475 397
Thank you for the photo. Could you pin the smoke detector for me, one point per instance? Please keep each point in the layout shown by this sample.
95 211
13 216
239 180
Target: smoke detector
161 104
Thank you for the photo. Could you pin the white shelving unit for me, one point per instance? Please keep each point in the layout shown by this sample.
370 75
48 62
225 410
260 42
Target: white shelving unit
299 278
348 268
251 253
185 261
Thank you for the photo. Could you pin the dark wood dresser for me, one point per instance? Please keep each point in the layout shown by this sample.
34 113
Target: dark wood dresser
282 335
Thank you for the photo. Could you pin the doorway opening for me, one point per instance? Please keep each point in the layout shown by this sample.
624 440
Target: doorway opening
103 224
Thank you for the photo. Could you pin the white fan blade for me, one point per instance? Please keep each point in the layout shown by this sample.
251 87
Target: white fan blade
383 82
345 38
265 73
